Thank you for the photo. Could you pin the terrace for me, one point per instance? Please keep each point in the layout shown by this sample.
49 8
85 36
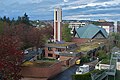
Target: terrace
38 63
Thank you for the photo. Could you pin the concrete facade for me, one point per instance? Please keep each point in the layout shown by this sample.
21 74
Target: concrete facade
57 24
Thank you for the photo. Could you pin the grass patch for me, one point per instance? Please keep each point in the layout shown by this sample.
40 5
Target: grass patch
37 64
85 47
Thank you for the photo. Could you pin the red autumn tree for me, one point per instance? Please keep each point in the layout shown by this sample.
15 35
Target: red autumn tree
10 58
36 38
48 31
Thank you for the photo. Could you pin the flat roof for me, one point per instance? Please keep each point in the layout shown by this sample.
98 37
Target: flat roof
59 44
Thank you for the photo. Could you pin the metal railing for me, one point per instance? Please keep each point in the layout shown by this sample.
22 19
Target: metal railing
110 71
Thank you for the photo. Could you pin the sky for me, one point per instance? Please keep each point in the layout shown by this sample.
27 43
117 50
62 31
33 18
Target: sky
72 9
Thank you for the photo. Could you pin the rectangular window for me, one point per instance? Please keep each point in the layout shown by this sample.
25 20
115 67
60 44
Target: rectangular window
49 49
50 55
59 50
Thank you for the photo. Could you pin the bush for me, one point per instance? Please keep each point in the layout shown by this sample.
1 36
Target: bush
86 76
85 59
96 71
105 61
101 54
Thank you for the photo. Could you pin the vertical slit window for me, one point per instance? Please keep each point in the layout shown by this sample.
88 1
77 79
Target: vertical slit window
56 15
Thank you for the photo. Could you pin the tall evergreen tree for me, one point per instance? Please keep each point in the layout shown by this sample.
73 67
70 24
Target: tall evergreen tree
66 35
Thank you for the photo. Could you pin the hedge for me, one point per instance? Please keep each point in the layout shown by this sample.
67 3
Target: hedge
86 76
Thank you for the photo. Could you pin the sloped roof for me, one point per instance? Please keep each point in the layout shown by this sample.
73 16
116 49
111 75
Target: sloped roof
89 31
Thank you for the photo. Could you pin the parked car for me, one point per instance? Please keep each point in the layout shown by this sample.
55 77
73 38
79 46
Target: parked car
77 62
82 69
25 52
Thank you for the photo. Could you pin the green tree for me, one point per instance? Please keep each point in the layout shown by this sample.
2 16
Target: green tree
116 39
24 20
101 54
85 59
4 18
66 35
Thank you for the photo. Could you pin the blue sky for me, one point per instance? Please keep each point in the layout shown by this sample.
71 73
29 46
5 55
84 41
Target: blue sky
72 9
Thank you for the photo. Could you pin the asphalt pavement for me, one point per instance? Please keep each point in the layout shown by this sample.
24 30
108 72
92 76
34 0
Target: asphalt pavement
67 74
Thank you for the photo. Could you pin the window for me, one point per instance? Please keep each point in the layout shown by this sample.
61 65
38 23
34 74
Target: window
49 48
50 55
58 49
56 15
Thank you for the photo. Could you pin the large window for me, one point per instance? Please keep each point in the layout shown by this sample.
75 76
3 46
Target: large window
50 55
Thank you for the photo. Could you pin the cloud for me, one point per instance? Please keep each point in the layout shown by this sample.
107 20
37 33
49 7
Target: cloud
72 9
92 3
92 16
66 0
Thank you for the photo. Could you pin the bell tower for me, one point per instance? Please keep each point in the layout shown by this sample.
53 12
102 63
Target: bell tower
57 24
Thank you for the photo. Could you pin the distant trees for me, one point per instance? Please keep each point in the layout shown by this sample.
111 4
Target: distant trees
29 35
95 23
10 58
66 35
24 19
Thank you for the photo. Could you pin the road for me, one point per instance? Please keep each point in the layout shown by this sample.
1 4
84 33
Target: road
67 74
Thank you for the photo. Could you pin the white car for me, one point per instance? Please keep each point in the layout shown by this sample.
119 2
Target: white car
82 69
25 52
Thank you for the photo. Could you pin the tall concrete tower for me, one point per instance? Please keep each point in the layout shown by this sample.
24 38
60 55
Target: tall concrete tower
57 24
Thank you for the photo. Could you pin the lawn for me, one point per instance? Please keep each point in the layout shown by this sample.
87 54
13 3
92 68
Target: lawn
87 47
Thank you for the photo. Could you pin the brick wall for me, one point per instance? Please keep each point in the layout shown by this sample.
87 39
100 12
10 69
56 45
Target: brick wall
42 72
68 61
51 52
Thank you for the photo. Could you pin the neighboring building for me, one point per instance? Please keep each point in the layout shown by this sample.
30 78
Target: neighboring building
52 50
108 26
57 24
118 26
77 24
90 31
74 25
62 52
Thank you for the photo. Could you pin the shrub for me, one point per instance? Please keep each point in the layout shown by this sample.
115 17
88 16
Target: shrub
86 76
85 59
